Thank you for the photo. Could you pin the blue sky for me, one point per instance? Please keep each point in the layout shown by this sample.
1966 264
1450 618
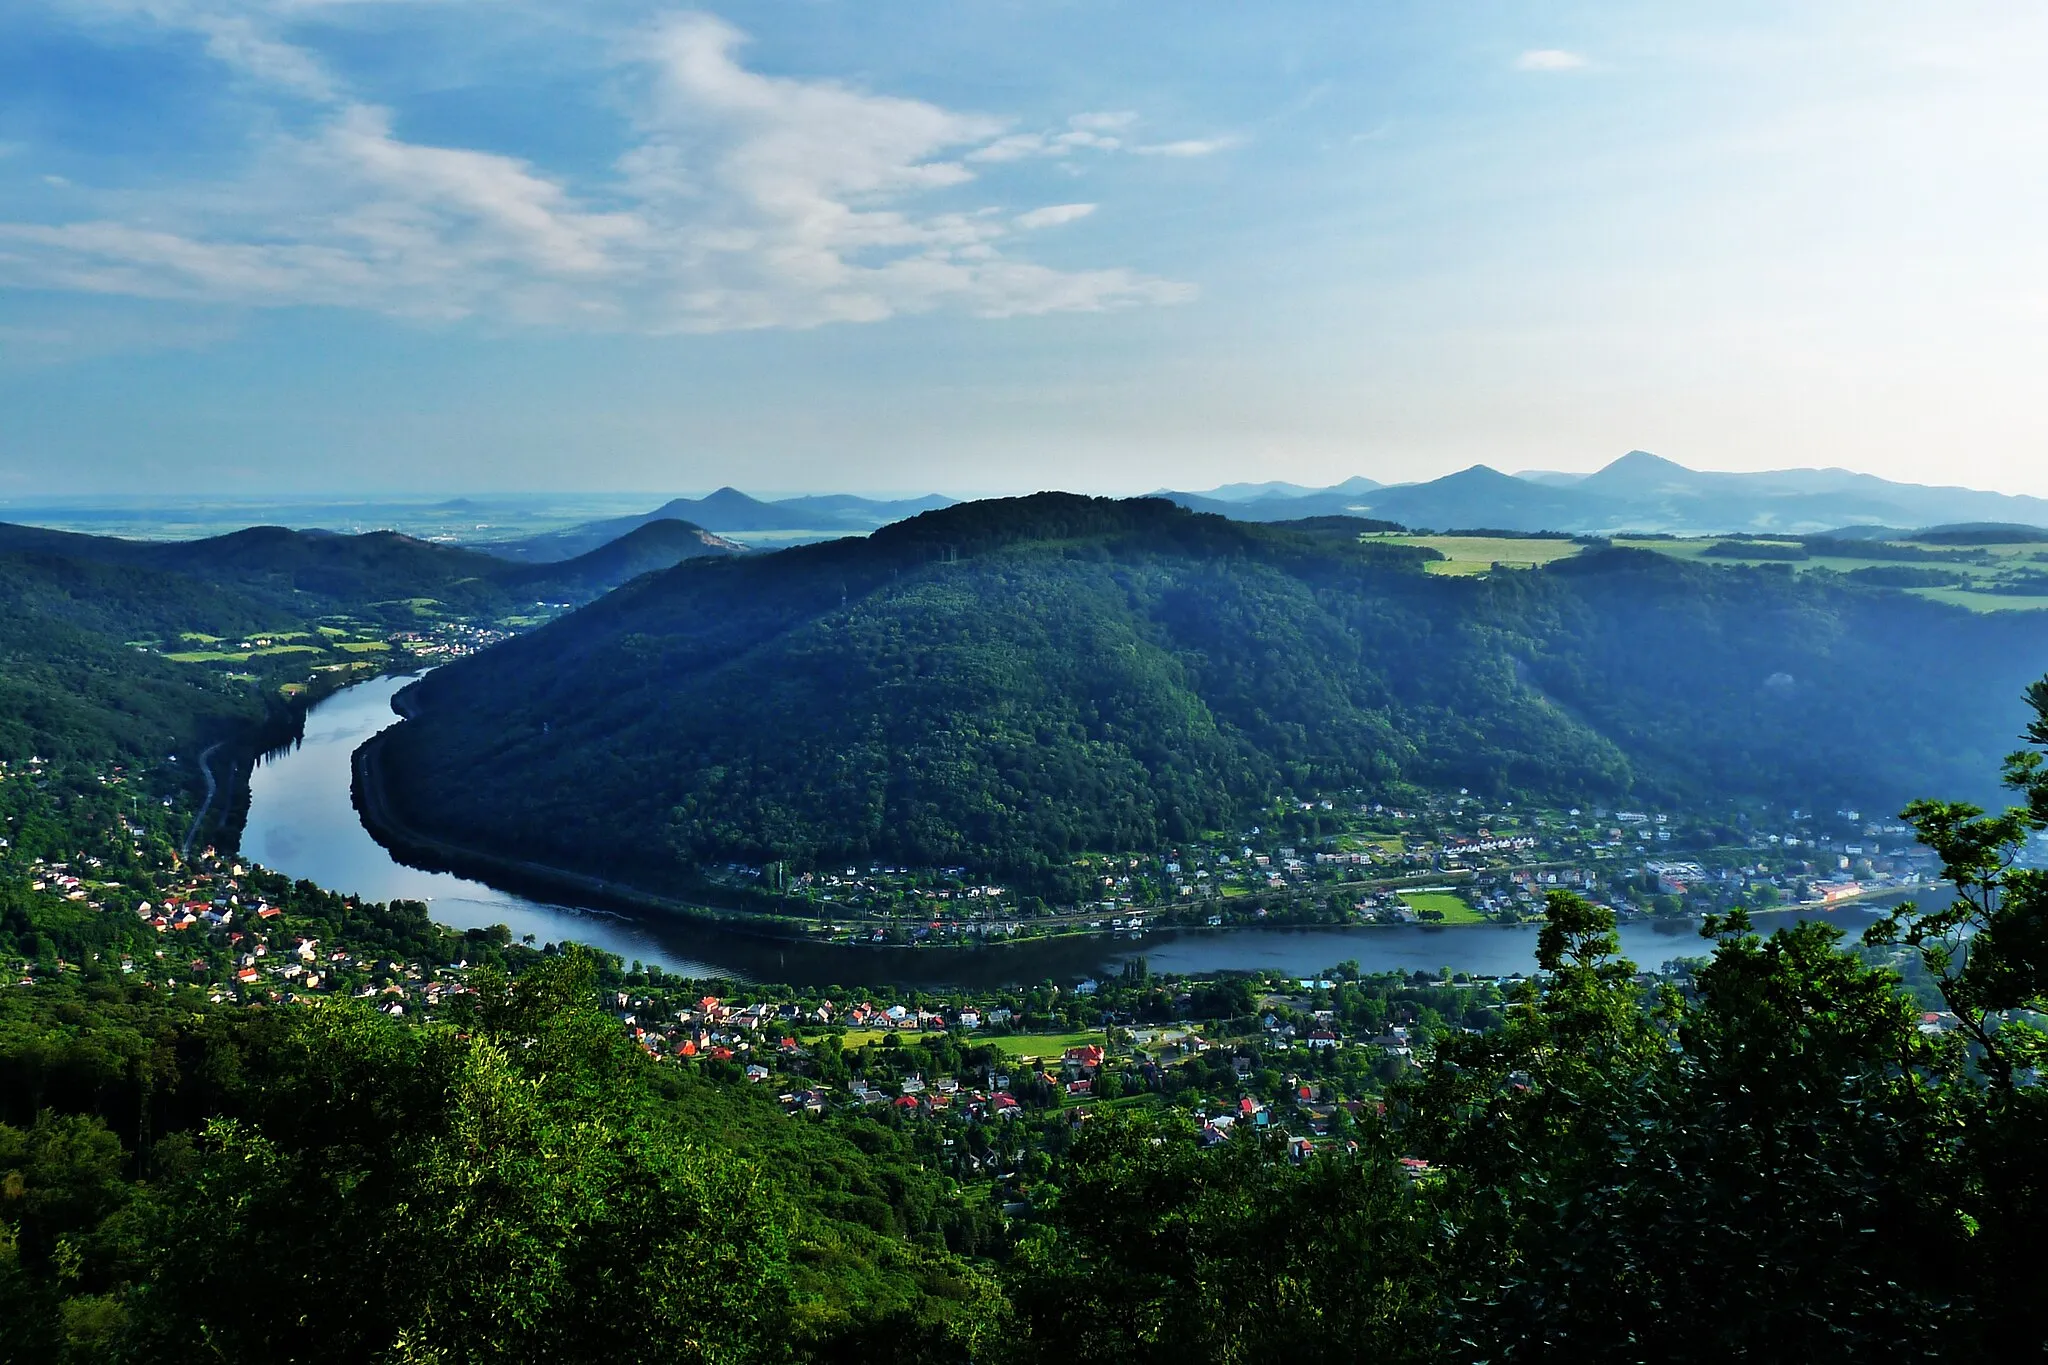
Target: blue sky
316 245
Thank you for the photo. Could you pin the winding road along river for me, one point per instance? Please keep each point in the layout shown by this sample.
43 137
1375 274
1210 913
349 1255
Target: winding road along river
302 823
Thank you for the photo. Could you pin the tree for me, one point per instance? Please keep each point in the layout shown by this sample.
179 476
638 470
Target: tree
1987 949
1155 1251
496 1191
1760 1170
1987 953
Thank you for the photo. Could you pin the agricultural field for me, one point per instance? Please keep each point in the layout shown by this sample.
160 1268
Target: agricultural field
1984 601
332 645
863 1037
239 656
1048 1045
1465 555
1453 907
1987 574
2001 577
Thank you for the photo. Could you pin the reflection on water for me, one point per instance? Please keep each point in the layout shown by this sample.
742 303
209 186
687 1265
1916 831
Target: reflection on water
303 824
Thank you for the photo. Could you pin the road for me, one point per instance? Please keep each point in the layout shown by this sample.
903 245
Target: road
212 786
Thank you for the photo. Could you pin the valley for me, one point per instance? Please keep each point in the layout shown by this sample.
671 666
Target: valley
1017 687
1141 836
1022 684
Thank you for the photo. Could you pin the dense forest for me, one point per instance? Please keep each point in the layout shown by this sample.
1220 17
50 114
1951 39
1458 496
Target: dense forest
270 574
1770 1158
88 624
1007 683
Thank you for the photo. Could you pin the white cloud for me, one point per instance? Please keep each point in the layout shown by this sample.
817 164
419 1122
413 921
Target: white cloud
1549 59
1084 132
1194 146
497 204
237 41
745 201
236 34
1107 121
1053 215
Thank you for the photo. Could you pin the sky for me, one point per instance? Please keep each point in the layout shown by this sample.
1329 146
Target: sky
278 246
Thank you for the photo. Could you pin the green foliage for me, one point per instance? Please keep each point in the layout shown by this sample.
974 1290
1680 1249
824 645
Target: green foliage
1155 1251
497 1192
1988 948
1777 551
1006 684
72 685
1778 1165
1775 1157
519 1181
1907 576
71 689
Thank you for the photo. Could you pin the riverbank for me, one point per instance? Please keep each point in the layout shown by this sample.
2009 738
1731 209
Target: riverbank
371 797
305 822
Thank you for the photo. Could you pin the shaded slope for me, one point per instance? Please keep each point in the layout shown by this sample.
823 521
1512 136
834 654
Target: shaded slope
1485 497
293 570
726 510
77 610
70 689
660 544
1005 683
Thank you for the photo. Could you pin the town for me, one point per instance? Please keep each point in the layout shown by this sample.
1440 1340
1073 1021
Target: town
990 1083
1445 861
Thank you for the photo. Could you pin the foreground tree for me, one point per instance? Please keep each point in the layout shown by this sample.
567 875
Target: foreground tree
1758 1169
1154 1250
491 1192
1987 952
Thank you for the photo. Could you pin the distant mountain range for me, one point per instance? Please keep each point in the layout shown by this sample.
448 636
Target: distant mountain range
727 511
1638 492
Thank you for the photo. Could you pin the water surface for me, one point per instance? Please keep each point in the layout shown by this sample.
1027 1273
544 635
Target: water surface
302 823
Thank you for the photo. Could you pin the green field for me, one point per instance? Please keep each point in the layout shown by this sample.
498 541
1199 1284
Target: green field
1042 1044
863 1037
1479 554
1452 907
1473 555
2004 557
1982 601
214 656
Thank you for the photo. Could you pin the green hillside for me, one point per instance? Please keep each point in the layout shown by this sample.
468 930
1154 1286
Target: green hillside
72 686
1006 683
136 650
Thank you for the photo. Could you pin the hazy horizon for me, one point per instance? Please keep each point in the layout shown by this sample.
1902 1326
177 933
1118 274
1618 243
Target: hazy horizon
427 496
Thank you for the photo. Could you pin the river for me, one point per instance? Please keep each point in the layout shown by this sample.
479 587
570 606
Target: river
302 823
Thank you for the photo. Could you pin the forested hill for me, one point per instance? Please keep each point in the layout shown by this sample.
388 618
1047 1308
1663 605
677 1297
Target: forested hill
1006 682
294 569
100 637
